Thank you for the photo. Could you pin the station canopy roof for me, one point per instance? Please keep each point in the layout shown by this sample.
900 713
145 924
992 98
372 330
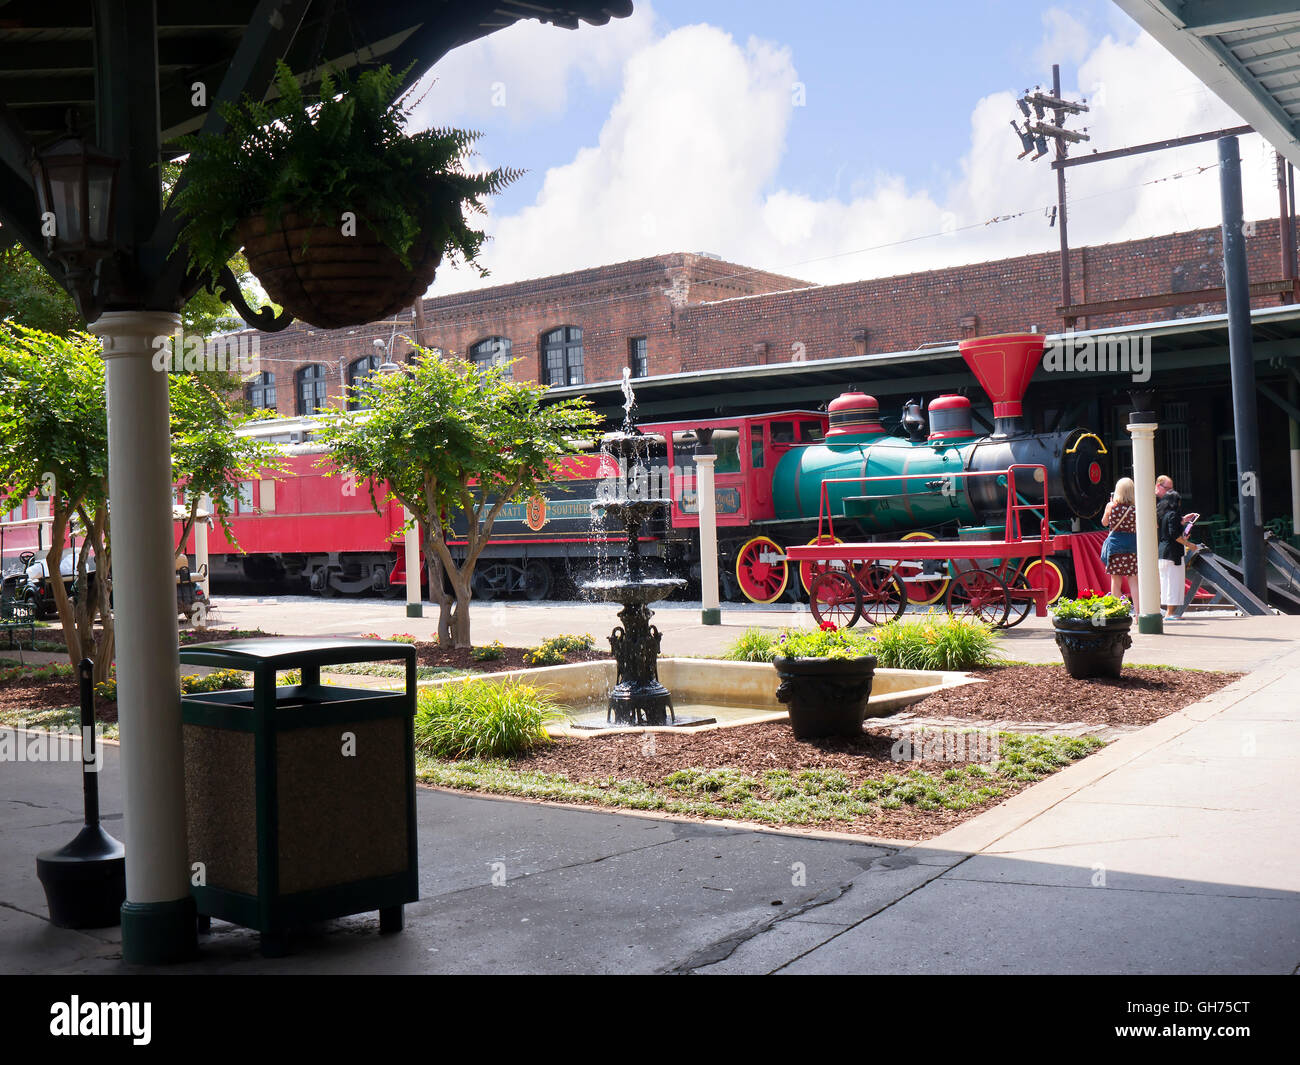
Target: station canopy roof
1183 344
1247 52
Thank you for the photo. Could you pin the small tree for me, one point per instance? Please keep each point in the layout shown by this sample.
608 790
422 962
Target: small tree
209 456
54 425
450 439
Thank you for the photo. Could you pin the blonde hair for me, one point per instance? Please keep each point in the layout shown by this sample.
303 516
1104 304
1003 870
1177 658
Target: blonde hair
1124 490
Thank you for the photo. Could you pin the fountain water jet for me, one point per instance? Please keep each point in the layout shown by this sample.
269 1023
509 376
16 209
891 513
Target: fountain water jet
638 698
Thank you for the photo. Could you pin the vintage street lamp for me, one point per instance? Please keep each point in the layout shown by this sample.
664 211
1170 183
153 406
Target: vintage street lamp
76 187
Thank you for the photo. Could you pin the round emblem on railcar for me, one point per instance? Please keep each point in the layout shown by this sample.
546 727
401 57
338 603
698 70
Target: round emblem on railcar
536 513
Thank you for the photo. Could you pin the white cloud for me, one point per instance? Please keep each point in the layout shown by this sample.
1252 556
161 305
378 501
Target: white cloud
687 156
529 70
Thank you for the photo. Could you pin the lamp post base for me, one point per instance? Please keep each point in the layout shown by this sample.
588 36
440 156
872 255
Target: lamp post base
159 933
711 615
415 610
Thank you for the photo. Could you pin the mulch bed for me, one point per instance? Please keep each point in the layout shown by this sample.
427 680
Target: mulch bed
430 654
1020 693
1049 693
51 694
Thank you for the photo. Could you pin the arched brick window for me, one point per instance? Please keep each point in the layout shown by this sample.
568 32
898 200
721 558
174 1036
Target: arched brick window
358 371
310 382
562 356
492 351
261 391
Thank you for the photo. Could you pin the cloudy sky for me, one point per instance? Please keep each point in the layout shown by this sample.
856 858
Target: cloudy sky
833 140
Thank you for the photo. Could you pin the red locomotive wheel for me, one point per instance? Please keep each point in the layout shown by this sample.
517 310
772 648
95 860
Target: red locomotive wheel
1020 601
921 592
761 570
808 569
979 593
1052 575
884 597
835 597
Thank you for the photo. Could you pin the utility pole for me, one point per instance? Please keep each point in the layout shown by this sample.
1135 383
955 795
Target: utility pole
1033 138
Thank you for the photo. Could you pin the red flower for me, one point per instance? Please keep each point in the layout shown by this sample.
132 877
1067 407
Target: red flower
829 626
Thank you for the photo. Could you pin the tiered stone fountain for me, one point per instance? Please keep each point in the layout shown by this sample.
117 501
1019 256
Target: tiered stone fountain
638 698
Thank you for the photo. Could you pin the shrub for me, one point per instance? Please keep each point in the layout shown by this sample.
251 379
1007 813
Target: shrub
935 641
397 637
479 719
752 645
22 674
191 683
490 653
551 651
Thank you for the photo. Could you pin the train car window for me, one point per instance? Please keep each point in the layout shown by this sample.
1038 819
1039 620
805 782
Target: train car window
245 496
42 508
783 432
756 447
266 495
811 432
728 449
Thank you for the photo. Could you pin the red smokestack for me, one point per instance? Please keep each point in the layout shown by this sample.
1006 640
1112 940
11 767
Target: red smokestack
1003 365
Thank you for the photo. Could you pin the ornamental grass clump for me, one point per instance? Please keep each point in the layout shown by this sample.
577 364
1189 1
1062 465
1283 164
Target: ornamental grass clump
479 719
1092 606
935 641
752 645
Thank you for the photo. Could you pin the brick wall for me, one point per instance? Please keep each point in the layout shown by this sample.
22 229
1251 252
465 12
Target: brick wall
698 312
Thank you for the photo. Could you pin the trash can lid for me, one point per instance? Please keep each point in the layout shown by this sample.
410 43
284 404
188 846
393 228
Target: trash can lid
288 652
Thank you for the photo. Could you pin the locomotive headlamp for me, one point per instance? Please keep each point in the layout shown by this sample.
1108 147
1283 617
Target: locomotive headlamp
387 366
76 187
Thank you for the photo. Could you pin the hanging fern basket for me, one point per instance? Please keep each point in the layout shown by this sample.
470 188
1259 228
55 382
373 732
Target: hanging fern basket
330 280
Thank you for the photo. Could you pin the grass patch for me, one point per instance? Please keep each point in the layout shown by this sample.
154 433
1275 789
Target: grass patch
752 645
56 717
779 796
479 719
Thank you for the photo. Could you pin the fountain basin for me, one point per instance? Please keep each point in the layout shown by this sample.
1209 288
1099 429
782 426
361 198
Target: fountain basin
637 593
734 693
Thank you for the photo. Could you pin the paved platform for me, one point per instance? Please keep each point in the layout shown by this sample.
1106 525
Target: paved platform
1203 643
1171 851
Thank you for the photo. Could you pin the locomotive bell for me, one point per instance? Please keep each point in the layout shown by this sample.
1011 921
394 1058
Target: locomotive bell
913 421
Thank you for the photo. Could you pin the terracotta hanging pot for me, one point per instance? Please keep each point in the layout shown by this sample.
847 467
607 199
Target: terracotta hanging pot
331 280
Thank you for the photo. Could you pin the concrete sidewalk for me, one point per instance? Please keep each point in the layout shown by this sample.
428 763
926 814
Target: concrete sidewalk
1171 851
1203 642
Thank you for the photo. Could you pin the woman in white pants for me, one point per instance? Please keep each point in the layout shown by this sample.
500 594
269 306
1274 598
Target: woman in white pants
1169 523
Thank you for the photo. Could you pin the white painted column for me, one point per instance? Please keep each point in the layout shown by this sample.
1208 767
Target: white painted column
158 922
1148 542
414 604
711 613
201 553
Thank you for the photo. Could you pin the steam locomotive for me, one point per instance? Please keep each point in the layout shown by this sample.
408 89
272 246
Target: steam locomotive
311 531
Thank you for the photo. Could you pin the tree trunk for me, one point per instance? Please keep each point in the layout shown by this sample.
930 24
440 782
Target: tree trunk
460 582
54 574
438 589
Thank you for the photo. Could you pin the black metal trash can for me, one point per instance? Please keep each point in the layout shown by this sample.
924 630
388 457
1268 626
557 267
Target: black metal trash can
300 799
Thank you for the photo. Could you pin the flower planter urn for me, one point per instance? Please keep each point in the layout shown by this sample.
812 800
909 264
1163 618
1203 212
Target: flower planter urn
1091 648
825 696
329 279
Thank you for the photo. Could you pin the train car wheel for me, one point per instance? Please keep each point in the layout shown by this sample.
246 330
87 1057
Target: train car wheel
809 570
884 597
921 592
979 593
835 597
761 570
537 580
1053 575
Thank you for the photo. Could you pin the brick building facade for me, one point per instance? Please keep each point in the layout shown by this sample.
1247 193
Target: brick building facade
684 312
